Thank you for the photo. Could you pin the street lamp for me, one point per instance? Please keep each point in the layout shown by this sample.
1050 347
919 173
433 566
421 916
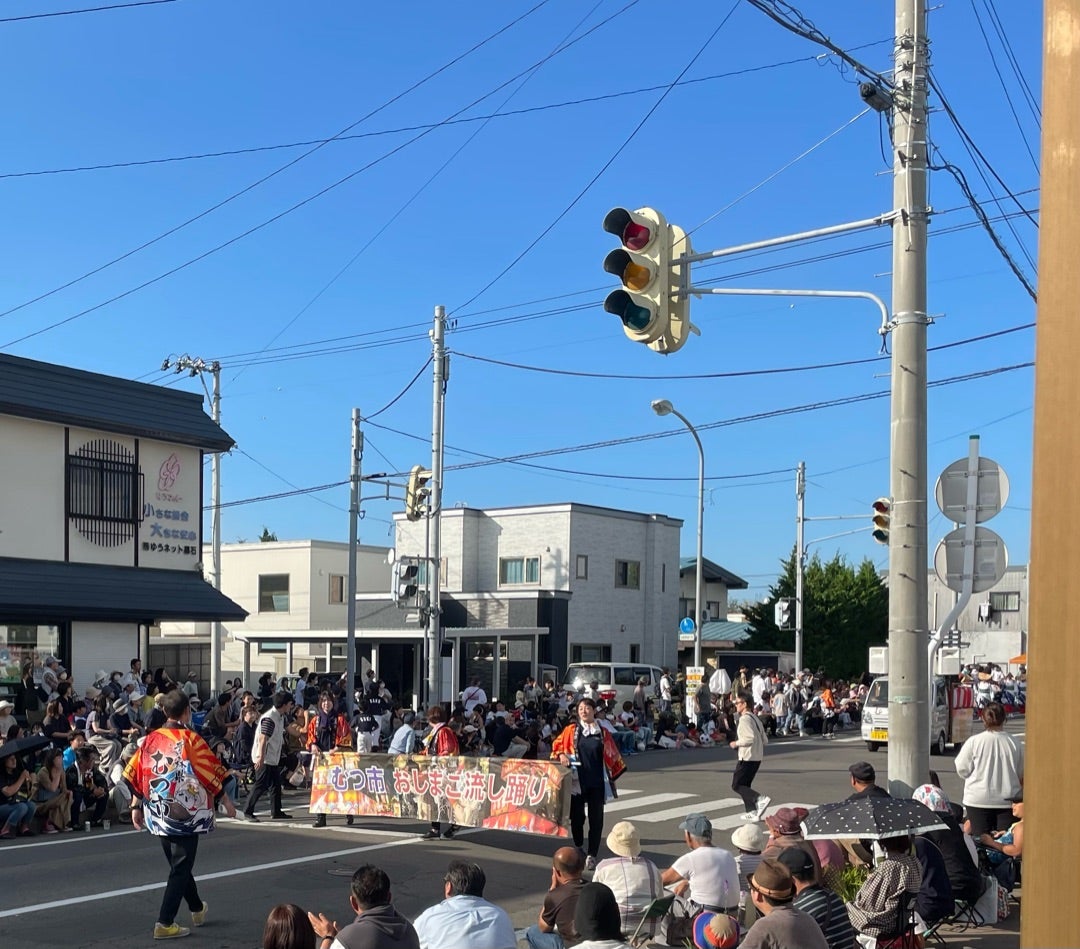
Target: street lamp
664 407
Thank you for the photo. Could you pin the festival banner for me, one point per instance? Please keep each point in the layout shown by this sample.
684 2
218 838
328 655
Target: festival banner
494 793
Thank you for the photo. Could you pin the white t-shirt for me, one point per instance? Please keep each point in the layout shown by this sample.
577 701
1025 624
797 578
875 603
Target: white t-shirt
665 688
472 696
713 876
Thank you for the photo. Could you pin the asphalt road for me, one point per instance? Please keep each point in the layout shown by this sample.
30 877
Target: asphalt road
103 889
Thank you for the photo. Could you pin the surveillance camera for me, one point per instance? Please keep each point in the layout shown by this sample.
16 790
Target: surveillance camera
874 96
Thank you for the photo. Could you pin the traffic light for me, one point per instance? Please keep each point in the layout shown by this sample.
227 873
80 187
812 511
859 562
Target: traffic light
784 613
416 492
406 582
882 516
653 305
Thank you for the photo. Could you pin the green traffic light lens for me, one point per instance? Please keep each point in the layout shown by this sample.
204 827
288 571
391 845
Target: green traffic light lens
636 317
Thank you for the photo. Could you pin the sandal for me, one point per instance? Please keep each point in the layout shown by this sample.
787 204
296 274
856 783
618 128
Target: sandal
27 832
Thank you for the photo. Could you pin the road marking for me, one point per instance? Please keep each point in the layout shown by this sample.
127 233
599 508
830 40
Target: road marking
682 811
645 801
70 839
736 820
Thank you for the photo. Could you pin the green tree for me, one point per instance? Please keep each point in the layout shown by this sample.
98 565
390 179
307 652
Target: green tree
268 536
845 612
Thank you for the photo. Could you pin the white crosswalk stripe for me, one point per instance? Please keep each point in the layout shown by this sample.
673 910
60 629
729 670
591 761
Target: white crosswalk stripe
702 807
649 799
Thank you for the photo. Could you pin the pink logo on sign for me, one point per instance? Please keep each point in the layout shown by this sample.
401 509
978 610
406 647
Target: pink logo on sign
168 473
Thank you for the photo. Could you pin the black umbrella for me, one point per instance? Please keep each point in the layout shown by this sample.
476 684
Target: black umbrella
870 818
22 745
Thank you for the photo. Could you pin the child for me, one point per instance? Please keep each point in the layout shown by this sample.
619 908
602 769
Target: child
748 842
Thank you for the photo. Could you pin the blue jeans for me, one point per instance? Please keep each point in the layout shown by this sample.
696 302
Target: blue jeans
232 788
12 815
540 940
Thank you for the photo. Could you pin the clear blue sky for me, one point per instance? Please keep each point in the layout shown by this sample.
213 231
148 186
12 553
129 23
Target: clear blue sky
434 218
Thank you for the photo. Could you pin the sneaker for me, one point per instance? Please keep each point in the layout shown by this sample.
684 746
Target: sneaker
431 835
762 804
49 829
590 863
750 815
249 817
197 919
170 932
281 815
448 834
320 820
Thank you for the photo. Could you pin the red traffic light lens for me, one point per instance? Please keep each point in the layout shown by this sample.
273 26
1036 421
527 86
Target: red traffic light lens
636 236
881 506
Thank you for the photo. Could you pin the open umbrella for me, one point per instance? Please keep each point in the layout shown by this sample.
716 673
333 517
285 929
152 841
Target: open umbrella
22 745
870 818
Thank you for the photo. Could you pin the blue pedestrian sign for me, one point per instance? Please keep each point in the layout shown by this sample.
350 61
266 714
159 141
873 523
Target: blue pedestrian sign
686 624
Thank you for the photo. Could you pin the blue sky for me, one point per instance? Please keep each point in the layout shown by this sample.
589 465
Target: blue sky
434 212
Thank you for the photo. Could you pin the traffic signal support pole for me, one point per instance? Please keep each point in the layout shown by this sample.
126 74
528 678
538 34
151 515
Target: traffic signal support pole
434 553
800 561
354 518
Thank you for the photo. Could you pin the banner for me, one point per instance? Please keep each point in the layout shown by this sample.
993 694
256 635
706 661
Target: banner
495 793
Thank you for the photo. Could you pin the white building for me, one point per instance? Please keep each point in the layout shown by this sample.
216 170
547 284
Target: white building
101 501
993 627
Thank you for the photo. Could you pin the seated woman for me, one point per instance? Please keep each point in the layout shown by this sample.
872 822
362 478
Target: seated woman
16 809
56 725
875 910
634 879
1004 849
961 866
52 799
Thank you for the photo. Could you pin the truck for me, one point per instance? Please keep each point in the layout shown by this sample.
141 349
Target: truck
951 714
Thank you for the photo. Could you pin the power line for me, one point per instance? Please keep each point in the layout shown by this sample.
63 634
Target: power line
112 6
296 488
1003 37
397 397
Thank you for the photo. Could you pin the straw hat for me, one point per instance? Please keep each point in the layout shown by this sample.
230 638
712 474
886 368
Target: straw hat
623 839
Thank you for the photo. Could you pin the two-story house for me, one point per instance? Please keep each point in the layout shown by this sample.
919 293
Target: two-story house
101 500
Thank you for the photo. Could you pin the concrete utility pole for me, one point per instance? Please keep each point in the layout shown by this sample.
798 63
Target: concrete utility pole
440 374
1053 752
354 518
909 716
800 560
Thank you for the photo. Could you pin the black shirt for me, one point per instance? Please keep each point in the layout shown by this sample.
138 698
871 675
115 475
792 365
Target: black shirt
872 791
503 737
591 756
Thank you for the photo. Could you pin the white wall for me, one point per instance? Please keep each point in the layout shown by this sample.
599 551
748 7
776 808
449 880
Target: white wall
97 646
31 489
172 515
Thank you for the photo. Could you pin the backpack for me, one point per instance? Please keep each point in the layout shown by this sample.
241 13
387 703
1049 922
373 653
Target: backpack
795 700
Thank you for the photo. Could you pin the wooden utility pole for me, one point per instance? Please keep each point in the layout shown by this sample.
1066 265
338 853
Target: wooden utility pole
1052 780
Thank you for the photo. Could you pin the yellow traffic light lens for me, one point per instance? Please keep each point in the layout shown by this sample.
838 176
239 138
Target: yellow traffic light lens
636 277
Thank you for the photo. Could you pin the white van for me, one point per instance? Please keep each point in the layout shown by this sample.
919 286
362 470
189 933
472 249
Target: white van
616 680
950 714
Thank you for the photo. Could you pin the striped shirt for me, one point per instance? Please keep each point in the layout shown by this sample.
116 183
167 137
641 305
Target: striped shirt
828 910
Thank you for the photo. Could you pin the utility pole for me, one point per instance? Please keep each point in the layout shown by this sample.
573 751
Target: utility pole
354 518
909 721
440 374
800 560
197 367
1053 752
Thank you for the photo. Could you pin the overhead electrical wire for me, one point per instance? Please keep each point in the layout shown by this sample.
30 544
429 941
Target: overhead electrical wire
398 397
111 6
1003 37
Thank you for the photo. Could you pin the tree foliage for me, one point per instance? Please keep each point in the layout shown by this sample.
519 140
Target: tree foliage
845 612
268 536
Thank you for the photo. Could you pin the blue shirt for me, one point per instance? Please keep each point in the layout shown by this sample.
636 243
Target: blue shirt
465 922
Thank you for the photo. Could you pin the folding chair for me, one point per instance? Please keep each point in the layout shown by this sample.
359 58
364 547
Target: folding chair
903 935
656 910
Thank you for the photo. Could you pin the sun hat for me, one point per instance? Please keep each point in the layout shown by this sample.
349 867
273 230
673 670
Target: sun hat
6 704
772 879
623 839
715 931
786 820
121 705
749 837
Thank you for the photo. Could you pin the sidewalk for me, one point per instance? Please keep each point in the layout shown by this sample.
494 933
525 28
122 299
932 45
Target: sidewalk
1003 935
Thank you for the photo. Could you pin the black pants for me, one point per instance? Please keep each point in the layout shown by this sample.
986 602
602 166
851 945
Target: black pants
828 725
267 778
180 852
985 820
80 799
593 799
741 780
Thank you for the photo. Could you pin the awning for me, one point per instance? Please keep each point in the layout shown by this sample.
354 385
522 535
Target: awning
1020 660
53 591
379 635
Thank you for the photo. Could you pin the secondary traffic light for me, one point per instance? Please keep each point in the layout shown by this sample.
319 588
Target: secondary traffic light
784 613
881 519
416 492
406 582
653 305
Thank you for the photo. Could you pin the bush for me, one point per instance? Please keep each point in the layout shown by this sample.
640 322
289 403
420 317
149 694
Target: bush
851 878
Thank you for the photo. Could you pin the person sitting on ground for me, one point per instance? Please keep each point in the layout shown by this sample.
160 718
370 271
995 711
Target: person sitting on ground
156 717
824 905
51 797
1003 849
16 808
785 830
464 917
634 879
780 924
218 722
555 927
597 919
78 740
88 787
120 721
506 742
706 876
378 925
288 927
961 862
875 908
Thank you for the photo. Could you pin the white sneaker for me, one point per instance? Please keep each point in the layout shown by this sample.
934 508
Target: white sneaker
590 863
750 815
763 802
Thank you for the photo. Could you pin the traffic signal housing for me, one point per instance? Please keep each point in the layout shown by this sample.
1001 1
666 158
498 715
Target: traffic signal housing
406 582
881 519
416 492
784 613
652 303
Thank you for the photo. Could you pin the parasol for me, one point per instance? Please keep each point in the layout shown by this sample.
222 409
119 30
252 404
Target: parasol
18 746
870 818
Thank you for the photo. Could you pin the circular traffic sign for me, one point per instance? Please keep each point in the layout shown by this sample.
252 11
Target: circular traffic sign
686 624
989 563
951 490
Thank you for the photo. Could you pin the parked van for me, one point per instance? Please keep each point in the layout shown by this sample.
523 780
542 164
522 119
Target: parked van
617 680
950 714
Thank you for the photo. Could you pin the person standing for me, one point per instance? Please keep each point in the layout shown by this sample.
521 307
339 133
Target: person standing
175 781
992 766
440 742
474 695
327 730
665 690
267 754
750 742
597 764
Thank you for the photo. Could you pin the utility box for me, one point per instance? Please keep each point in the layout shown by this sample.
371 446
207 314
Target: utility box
879 660
947 661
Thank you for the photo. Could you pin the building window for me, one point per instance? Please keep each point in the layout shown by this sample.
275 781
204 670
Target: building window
519 570
1005 602
590 652
274 593
103 495
582 571
628 574
663 578
712 607
337 588
422 577
272 649
635 652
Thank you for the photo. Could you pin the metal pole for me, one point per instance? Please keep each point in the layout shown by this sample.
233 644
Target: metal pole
909 715
215 533
800 560
773 292
434 618
699 593
354 518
